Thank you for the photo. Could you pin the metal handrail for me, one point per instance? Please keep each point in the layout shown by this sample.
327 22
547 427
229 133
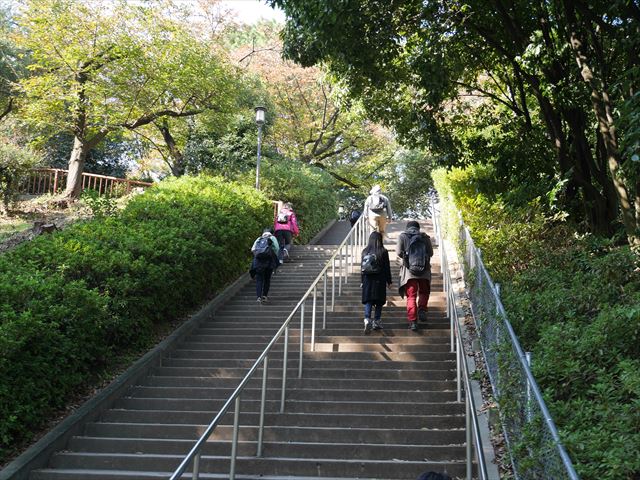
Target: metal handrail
531 382
457 345
522 359
356 238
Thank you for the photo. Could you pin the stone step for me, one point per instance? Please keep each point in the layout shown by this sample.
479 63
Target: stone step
309 383
422 337
292 372
425 355
422 365
325 394
371 407
343 451
281 433
275 466
374 346
397 421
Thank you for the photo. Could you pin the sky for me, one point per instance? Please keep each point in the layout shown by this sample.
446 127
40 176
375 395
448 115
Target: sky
250 11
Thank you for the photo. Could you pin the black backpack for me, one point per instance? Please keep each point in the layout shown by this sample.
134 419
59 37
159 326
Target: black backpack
416 257
370 264
263 248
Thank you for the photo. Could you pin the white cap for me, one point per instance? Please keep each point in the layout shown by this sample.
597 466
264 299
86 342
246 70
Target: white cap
375 189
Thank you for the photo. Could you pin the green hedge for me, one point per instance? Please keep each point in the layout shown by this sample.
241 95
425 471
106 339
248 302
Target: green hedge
574 302
312 192
74 299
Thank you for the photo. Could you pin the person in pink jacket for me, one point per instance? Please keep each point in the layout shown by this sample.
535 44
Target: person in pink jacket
286 227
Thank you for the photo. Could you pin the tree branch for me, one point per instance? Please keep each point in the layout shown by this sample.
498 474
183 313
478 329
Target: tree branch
151 117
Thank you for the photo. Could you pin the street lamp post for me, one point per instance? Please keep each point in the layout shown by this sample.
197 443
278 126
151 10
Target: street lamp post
260 111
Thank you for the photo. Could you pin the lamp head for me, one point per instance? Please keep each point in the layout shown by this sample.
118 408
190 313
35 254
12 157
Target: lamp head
260 113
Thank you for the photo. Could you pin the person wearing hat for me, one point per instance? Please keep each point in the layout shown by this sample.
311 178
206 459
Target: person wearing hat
377 208
415 249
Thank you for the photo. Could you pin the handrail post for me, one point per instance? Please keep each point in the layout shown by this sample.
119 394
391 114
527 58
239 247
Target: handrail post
196 467
234 441
468 434
324 301
347 260
263 401
452 317
313 321
459 361
284 368
333 284
301 339
340 272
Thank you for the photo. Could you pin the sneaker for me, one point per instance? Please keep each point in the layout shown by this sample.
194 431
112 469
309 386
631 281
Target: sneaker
286 255
265 299
259 299
422 315
367 326
377 324
413 326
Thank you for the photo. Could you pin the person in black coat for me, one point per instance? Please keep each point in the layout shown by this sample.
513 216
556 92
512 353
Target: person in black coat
264 264
376 276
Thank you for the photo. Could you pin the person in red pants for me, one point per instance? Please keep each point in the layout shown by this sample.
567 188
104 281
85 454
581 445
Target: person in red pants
415 249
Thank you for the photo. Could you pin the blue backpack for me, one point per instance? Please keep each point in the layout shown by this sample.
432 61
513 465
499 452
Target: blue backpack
263 248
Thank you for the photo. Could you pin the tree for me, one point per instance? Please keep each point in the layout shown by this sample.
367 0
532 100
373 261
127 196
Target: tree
314 122
516 54
101 67
12 65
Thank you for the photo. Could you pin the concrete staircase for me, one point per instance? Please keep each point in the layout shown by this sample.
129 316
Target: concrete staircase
378 406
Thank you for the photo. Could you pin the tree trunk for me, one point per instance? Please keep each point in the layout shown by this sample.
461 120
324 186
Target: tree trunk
602 109
178 168
76 167
596 201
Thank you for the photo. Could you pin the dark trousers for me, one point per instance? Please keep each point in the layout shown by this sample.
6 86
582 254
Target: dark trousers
285 238
369 306
263 282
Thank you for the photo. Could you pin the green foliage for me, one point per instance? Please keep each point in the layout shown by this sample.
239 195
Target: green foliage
574 303
312 193
72 299
15 163
100 206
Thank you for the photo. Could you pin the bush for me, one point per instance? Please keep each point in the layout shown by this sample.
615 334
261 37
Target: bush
312 193
15 164
574 303
74 298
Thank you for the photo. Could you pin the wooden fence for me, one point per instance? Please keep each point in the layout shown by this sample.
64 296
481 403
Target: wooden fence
54 180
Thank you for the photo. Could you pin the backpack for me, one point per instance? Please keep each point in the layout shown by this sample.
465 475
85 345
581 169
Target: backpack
263 248
377 204
416 258
370 264
282 217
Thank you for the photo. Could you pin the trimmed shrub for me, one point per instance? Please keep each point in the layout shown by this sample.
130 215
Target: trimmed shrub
73 299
